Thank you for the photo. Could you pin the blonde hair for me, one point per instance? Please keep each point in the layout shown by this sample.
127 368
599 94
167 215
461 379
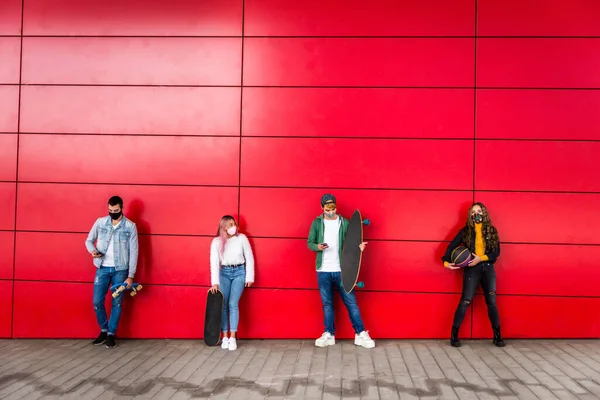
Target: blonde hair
329 206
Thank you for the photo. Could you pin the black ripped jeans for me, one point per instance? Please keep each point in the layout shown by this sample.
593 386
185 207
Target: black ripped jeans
485 274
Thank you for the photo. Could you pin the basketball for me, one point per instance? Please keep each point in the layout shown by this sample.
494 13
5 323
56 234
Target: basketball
461 256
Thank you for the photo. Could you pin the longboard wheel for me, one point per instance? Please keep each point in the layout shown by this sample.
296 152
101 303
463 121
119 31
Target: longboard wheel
360 285
139 287
366 222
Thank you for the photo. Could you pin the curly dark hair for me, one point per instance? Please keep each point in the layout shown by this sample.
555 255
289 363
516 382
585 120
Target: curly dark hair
490 233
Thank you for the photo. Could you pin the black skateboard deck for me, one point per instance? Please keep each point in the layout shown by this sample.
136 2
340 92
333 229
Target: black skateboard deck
351 254
212 318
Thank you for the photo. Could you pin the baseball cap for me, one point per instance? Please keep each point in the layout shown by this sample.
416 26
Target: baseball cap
327 198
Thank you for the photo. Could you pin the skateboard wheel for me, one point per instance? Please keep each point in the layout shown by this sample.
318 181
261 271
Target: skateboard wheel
132 294
139 287
366 222
360 285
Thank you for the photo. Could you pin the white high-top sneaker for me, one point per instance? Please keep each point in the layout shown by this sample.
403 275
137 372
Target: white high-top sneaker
225 343
325 340
363 339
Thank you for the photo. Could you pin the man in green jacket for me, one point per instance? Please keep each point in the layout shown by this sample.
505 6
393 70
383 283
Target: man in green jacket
326 238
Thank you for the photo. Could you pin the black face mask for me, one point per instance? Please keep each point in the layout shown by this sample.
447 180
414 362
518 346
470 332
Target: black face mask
477 218
115 216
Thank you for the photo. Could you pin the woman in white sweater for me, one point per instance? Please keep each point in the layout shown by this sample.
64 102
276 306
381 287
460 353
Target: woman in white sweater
231 268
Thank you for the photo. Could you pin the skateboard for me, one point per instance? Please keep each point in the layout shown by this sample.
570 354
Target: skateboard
121 287
351 254
212 318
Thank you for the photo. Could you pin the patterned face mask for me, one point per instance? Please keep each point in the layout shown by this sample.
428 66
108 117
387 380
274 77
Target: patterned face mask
477 218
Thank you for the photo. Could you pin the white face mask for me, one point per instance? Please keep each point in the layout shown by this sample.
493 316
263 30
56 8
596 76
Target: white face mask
231 231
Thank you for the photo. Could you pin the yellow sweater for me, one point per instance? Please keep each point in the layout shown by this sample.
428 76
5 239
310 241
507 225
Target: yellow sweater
479 244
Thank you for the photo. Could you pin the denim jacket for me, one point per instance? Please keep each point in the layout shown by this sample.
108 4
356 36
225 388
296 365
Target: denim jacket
125 243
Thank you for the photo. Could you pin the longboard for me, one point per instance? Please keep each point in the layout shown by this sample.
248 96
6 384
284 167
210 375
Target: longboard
212 318
351 254
121 287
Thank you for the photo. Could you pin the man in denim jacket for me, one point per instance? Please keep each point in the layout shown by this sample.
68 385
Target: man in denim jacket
113 244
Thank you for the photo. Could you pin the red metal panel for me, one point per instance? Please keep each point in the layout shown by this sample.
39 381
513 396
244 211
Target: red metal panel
547 166
54 310
538 63
351 163
10 17
535 18
358 18
386 266
10 53
74 265
177 312
416 113
539 317
71 314
8 190
8 157
394 214
162 259
6 288
540 270
7 247
544 217
139 61
154 160
154 209
133 18
9 108
533 114
130 110
431 319
352 62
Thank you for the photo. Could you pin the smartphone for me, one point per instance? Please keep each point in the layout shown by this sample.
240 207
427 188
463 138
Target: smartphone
100 254
324 244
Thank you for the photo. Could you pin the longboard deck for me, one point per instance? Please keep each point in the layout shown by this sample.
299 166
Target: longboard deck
351 254
212 318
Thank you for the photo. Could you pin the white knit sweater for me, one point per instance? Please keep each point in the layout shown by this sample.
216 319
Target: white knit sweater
237 251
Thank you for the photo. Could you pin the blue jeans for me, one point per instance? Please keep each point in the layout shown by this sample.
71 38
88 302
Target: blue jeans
328 281
232 285
105 278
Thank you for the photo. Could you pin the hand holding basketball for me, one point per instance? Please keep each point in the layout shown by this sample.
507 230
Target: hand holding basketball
452 266
476 260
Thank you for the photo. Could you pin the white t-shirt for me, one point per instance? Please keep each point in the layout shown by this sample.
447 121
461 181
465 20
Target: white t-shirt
109 257
331 257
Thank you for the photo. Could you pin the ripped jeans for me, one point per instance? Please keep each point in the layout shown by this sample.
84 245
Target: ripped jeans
105 278
485 274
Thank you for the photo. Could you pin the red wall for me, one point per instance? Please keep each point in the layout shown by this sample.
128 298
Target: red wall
406 110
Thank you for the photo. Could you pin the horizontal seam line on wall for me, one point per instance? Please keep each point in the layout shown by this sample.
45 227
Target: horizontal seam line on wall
311 289
304 187
479 87
116 36
254 136
389 240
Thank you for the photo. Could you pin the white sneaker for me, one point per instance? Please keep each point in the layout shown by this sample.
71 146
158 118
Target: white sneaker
232 343
325 340
225 343
363 339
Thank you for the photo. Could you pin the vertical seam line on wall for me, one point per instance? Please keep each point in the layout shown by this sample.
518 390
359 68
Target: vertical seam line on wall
474 127
12 314
241 115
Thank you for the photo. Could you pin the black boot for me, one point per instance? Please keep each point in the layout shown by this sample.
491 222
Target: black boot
498 337
454 342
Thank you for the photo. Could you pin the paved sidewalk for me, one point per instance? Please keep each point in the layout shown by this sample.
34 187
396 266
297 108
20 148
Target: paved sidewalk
183 369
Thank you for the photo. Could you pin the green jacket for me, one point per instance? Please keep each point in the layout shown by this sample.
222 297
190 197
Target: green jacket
317 231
